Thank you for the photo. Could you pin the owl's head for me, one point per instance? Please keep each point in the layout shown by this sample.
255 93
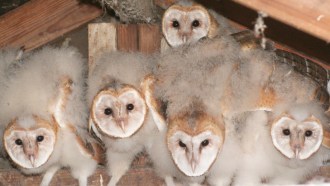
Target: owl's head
30 141
194 141
185 23
119 111
297 138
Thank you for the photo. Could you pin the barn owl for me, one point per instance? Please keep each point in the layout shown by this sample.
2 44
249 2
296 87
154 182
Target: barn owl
184 98
286 144
187 22
225 166
266 78
9 61
45 116
119 114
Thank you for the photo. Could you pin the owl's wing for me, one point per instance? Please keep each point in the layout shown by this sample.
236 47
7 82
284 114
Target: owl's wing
154 106
87 145
58 106
249 41
309 69
93 129
300 65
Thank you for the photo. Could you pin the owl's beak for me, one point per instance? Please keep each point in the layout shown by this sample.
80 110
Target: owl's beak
193 165
32 160
120 122
122 126
184 38
297 143
297 153
194 162
30 151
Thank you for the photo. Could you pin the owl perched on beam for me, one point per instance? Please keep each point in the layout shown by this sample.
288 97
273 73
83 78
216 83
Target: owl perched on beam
8 63
45 116
185 97
285 143
119 115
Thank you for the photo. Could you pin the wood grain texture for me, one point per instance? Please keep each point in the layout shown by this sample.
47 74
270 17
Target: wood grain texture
141 174
138 177
149 37
309 16
127 37
101 38
39 21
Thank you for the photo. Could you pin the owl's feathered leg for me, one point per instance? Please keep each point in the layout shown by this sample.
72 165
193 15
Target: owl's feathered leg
82 181
169 181
47 178
83 172
221 180
246 179
194 184
118 164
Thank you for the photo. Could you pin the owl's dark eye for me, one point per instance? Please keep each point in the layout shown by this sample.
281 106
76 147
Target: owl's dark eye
195 23
130 106
286 132
176 24
40 138
19 142
108 111
181 144
205 143
308 133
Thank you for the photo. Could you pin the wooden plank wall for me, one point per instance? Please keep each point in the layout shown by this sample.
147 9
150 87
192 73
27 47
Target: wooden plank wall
49 19
107 37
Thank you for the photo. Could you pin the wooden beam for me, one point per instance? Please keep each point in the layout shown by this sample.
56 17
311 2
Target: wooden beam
145 176
141 173
309 16
39 21
101 38
149 38
127 37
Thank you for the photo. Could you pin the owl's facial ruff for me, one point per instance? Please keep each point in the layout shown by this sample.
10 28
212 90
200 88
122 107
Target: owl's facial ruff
194 143
30 147
183 25
297 139
119 114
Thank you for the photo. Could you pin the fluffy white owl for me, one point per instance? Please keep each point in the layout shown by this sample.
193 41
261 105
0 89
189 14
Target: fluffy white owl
119 114
264 79
286 145
187 22
45 116
8 65
185 99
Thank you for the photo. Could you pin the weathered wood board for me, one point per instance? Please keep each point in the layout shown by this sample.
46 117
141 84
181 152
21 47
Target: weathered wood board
38 22
107 37
312 17
141 174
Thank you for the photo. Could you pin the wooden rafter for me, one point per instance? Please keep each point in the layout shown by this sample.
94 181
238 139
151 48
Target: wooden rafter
312 17
39 21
